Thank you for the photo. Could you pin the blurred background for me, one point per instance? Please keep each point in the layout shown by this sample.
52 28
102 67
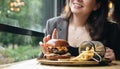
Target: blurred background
22 25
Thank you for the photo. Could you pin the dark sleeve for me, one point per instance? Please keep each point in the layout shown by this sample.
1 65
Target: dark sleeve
113 39
116 42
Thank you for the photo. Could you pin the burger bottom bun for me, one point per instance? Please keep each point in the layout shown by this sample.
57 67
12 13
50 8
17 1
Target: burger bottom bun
56 57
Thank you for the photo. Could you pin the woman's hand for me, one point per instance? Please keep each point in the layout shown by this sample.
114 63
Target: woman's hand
109 54
46 39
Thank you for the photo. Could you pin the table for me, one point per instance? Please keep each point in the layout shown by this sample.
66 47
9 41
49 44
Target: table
33 64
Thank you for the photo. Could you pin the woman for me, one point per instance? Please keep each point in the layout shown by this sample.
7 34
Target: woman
84 20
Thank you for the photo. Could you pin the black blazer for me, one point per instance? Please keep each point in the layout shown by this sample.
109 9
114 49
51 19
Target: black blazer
110 36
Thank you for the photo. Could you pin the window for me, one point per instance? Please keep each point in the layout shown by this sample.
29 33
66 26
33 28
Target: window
22 24
32 15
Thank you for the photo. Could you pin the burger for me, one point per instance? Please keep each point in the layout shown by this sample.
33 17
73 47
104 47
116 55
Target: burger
57 49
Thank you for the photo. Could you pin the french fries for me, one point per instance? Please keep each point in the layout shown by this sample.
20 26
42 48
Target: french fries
85 55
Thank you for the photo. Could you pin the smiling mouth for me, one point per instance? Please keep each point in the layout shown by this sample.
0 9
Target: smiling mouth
77 5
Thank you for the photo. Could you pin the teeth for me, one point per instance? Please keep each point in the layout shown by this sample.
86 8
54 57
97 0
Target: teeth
77 4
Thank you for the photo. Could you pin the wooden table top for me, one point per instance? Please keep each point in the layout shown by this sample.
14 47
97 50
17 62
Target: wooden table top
34 64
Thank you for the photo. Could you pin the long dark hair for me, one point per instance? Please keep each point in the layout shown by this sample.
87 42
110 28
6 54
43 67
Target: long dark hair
116 12
96 20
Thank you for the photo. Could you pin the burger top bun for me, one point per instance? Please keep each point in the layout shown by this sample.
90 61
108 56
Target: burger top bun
57 42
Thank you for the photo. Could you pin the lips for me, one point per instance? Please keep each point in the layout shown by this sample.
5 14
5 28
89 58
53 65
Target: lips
77 5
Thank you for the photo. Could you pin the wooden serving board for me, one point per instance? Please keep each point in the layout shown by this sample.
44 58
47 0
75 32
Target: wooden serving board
66 62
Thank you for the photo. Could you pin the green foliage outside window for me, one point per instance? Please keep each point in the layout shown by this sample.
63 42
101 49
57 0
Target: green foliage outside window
32 15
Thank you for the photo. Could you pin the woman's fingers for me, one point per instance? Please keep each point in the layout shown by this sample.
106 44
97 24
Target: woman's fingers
43 47
110 54
45 39
54 34
43 44
48 38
